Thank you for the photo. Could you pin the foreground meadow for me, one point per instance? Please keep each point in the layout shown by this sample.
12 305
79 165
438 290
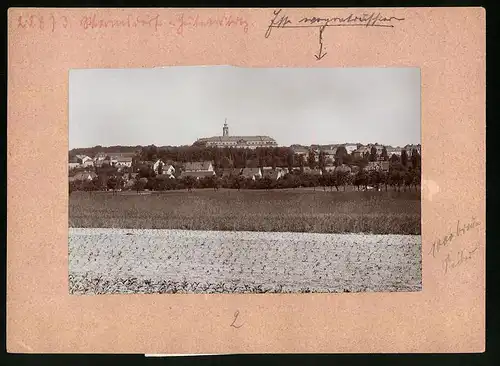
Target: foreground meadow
251 210
113 261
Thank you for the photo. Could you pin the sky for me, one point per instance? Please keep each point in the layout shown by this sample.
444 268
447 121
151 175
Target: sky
177 105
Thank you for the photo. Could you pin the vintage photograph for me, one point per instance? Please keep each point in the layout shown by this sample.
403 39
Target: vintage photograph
221 179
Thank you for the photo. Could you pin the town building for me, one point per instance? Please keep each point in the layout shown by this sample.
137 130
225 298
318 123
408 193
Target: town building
252 173
378 166
198 166
241 142
273 173
350 148
393 151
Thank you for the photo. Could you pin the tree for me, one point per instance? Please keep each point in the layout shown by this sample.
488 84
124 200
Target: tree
140 184
145 172
374 179
360 179
417 178
404 158
311 159
415 159
114 183
373 154
394 159
289 160
266 182
408 179
274 162
396 176
160 168
302 163
322 160
384 154
323 181
189 182
384 179
226 163
340 155
341 178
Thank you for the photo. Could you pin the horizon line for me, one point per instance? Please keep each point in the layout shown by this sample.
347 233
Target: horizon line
295 144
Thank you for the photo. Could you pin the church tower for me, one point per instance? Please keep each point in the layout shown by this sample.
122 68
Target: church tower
225 129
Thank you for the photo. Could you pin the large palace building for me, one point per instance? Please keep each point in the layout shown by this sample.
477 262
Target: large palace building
242 142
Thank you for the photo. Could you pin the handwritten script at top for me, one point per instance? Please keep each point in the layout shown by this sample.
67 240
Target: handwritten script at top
367 20
179 23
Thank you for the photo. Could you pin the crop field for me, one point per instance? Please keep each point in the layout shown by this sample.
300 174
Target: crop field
112 261
306 211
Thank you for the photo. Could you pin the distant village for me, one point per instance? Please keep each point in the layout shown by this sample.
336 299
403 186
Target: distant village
129 170
236 161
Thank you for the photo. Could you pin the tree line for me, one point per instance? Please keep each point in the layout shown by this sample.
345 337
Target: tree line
224 158
397 178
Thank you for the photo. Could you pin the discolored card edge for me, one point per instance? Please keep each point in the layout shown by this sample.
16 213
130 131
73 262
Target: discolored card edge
448 315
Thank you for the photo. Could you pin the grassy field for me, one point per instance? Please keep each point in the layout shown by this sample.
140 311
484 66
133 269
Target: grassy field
275 211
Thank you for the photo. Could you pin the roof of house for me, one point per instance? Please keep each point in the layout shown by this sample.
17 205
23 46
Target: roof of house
122 159
238 139
362 149
123 154
330 151
300 150
198 165
84 175
231 171
273 174
197 174
250 172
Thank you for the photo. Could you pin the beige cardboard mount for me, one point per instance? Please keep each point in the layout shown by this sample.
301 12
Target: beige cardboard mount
448 315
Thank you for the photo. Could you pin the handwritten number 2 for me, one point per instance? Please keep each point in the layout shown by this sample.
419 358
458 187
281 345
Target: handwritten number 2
233 324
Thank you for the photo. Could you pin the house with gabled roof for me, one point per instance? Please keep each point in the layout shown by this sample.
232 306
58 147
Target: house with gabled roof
83 176
251 173
273 173
198 166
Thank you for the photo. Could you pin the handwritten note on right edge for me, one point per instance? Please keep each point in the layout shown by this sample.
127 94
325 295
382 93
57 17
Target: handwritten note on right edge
455 259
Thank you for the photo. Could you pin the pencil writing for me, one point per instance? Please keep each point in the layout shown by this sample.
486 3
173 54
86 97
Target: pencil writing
461 257
447 239
233 324
92 21
374 19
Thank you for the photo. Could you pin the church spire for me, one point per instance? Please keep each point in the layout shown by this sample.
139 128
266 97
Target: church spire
225 129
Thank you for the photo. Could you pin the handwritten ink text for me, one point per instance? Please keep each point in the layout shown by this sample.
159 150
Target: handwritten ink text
233 324
447 239
283 21
364 20
182 21
93 22
462 257
180 24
